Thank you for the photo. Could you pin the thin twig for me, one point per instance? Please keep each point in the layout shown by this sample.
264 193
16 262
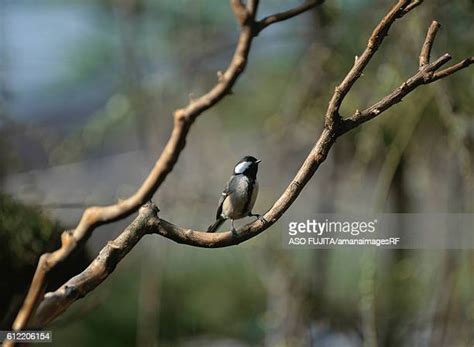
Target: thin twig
428 44
240 11
278 17
414 4
452 69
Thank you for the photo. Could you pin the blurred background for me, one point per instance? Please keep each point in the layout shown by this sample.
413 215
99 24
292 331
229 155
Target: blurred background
87 91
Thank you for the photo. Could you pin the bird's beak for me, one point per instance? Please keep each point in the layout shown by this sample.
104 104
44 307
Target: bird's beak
258 161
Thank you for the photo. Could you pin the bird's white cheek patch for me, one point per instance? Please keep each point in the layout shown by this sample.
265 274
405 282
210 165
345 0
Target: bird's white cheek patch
240 168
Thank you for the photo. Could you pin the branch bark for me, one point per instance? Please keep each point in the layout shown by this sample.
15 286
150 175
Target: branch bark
56 302
452 69
101 267
428 44
332 117
278 17
183 120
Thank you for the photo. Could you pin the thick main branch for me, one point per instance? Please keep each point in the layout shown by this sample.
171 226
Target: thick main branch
103 265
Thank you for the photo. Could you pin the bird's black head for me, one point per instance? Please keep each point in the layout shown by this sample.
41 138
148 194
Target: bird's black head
247 166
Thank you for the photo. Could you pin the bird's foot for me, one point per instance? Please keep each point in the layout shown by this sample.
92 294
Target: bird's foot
259 217
255 215
233 230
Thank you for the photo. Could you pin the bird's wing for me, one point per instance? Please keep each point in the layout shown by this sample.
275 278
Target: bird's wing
227 191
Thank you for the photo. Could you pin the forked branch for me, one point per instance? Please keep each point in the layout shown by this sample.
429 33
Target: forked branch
400 9
426 74
55 303
149 222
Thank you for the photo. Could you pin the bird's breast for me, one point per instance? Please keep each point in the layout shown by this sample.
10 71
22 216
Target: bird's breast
240 202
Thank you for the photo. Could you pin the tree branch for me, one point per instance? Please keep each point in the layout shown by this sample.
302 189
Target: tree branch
428 44
452 69
427 73
414 4
278 17
101 267
56 302
332 117
252 7
183 119
240 11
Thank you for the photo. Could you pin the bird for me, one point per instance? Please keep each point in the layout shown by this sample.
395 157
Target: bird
239 195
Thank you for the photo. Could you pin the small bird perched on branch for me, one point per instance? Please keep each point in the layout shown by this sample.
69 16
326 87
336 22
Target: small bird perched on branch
239 194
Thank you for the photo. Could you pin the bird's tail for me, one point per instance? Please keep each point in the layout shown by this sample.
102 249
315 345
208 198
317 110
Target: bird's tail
213 227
